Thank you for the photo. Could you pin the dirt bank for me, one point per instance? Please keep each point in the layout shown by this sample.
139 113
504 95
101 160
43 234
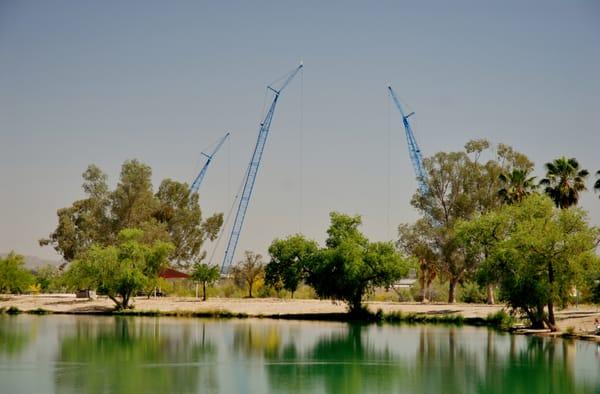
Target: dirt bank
581 318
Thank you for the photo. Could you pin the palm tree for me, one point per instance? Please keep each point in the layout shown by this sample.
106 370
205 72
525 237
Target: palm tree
516 185
564 180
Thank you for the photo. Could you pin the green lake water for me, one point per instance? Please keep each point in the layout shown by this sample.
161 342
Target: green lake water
104 354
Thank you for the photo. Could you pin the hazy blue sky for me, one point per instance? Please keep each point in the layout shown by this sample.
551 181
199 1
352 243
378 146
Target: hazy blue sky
100 82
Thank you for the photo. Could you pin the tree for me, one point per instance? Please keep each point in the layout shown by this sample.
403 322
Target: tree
248 271
206 275
564 181
180 212
120 271
418 240
171 215
516 185
46 277
539 254
14 277
350 266
288 259
459 187
478 238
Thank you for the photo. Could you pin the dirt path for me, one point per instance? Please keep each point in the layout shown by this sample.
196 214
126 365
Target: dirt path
581 318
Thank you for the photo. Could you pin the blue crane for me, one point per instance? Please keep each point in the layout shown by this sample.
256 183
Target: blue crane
413 148
250 178
209 157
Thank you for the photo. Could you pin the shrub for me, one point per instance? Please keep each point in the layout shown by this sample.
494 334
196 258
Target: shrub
472 294
501 319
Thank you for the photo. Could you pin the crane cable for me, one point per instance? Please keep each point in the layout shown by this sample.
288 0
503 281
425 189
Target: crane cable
235 199
301 164
389 167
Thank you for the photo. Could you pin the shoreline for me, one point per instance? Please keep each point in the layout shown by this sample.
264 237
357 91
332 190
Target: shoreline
575 323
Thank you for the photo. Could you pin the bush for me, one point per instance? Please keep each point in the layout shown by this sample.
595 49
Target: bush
501 319
14 278
472 294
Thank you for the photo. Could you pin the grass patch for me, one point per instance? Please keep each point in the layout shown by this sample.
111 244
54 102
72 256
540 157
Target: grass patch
421 318
500 319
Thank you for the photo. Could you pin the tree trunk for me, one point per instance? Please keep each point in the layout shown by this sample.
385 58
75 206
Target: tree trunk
551 319
117 303
355 304
429 282
424 285
490 294
452 291
249 290
203 291
125 303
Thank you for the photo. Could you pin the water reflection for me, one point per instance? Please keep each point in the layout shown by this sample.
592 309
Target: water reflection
15 335
444 359
127 355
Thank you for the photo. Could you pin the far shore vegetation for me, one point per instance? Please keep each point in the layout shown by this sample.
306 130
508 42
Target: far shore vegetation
488 232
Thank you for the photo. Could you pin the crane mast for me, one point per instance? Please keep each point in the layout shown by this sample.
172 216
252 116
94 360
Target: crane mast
413 148
250 178
196 184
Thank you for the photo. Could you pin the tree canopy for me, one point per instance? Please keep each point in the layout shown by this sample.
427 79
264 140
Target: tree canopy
14 277
564 181
247 272
350 266
121 270
460 186
171 214
538 253
289 257
206 275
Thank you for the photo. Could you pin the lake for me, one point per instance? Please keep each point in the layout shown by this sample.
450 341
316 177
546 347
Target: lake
100 354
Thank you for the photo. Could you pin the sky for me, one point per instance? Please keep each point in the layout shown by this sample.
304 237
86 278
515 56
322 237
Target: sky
86 82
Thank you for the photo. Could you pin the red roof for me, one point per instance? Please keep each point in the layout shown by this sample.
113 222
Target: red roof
170 273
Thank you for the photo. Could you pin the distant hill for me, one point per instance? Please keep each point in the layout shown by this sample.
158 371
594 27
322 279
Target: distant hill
33 262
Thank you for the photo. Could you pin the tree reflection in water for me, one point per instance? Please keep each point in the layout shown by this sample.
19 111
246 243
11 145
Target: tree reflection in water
125 354
444 360
15 334
130 356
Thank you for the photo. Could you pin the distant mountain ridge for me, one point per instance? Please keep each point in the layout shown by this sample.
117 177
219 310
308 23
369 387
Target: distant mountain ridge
33 262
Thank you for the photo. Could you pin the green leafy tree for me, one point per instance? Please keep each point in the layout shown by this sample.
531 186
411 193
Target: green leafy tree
122 270
538 253
14 277
180 212
350 266
418 240
478 239
460 185
46 276
564 181
247 272
288 259
516 185
206 275
171 215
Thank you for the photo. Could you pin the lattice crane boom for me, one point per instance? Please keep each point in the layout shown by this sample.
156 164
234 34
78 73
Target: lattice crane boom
250 178
196 184
413 148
